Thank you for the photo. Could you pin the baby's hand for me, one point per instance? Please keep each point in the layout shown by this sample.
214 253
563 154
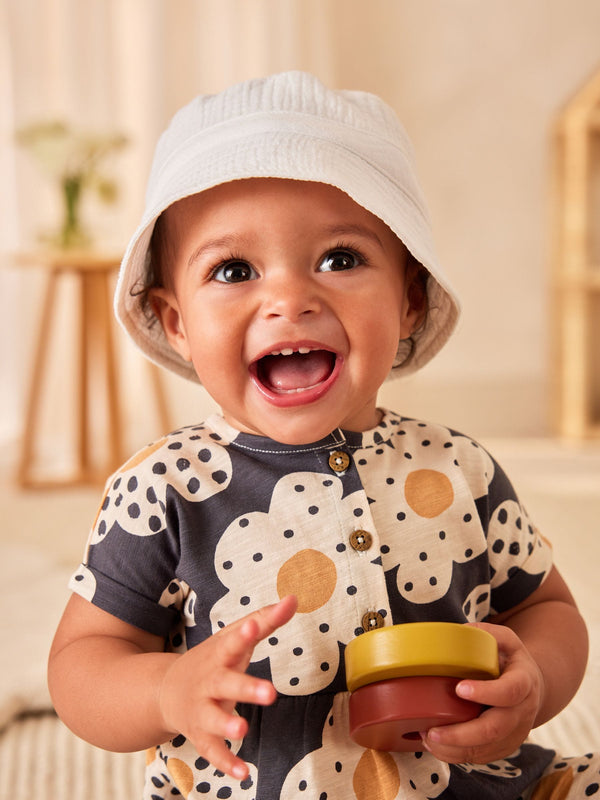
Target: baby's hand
514 697
200 690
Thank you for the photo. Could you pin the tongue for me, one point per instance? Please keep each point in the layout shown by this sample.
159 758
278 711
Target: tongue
288 373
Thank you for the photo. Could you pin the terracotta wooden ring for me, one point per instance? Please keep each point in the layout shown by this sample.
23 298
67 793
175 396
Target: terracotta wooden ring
389 715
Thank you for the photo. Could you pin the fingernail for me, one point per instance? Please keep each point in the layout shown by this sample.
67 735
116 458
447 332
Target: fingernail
464 690
433 734
264 694
240 771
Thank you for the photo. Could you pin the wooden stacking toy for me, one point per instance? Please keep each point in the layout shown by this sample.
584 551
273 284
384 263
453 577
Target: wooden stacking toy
402 680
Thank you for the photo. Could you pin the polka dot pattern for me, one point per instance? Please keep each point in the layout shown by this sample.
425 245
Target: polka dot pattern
178 595
515 543
502 768
83 583
182 773
137 496
476 607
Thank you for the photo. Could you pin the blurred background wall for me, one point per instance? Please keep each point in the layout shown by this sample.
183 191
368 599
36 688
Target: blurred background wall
477 84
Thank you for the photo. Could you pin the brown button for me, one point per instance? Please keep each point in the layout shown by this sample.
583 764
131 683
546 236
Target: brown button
372 620
361 540
339 461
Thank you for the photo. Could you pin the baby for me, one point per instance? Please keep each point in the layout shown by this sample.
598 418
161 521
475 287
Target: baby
285 261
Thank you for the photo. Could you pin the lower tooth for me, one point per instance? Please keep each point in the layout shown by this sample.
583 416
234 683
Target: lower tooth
299 389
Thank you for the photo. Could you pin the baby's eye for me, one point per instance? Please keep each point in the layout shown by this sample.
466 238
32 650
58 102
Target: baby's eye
338 260
234 272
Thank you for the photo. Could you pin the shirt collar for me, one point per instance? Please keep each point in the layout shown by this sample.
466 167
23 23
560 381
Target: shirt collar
353 440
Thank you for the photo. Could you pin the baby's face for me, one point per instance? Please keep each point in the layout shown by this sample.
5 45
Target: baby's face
289 299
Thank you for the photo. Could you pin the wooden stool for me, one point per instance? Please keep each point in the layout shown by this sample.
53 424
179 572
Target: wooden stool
94 273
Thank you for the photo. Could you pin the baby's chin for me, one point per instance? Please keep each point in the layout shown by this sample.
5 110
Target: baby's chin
305 425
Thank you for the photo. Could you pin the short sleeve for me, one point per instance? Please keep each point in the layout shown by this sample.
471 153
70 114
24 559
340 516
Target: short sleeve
128 567
133 553
520 558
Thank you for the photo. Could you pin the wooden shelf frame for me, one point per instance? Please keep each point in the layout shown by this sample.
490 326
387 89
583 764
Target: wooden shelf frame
576 280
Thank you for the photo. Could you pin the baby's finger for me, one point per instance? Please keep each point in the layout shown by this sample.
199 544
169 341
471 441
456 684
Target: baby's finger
239 687
216 721
493 735
510 690
240 638
269 618
215 750
492 725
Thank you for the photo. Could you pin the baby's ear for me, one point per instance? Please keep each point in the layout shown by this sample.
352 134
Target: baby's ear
166 309
416 277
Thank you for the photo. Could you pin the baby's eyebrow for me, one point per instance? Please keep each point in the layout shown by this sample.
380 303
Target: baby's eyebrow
352 229
228 241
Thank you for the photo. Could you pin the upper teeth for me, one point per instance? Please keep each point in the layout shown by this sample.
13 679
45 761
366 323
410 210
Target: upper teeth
288 351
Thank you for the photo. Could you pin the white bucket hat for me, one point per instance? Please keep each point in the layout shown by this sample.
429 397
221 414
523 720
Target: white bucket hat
289 126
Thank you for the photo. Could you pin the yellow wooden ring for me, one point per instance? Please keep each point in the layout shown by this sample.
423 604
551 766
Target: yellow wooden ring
421 648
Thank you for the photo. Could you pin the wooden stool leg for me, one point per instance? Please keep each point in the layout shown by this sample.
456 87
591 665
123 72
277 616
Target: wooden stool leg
24 469
97 337
115 432
86 324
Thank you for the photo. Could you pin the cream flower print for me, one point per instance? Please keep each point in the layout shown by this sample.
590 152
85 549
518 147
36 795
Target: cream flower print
261 558
83 582
179 595
192 463
477 605
476 463
182 772
431 503
434 505
502 768
340 768
510 533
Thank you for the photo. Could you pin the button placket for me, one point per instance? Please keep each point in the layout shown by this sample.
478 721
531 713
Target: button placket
370 588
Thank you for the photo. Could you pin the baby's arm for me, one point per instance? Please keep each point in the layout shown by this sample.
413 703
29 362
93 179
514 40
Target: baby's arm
543 650
114 685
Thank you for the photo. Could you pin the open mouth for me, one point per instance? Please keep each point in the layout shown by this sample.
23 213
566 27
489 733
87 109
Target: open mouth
290 372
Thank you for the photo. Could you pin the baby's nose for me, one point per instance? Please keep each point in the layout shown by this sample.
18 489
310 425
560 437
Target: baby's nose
291 297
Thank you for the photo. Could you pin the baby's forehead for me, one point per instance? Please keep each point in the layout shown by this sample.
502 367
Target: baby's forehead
258 186
321 203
